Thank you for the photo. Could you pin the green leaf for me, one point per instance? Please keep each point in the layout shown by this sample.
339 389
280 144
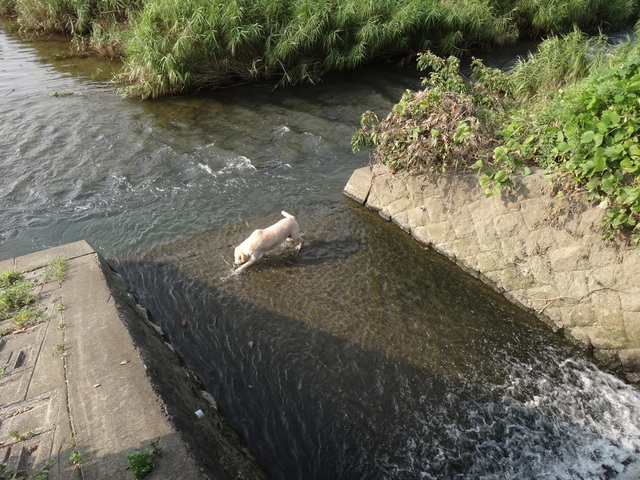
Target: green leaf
478 165
619 219
607 184
600 164
500 154
587 136
614 151
485 180
631 194
598 137
628 165
609 117
588 166
593 184
500 176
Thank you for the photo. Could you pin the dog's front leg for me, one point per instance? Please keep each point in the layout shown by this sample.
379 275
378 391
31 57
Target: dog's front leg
250 262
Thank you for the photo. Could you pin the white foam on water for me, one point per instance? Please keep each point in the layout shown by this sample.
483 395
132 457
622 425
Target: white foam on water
232 166
239 164
581 424
206 168
281 130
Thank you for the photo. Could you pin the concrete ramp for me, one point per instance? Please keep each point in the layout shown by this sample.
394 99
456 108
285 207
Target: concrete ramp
94 381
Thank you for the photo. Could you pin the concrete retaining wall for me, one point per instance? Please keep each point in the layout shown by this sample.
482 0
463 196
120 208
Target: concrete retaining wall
542 253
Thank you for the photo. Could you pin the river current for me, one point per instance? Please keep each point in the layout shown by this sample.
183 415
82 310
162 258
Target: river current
365 356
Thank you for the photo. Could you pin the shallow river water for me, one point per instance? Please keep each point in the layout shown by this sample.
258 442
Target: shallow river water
365 356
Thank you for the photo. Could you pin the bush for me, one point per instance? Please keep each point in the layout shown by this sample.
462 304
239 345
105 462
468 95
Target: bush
588 136
446 126
580 122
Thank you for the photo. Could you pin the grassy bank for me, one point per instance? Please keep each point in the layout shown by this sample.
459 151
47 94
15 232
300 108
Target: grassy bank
572 109
171 46
91 24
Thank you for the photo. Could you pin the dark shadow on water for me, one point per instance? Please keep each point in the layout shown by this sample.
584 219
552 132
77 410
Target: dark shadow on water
370 358
321 251
316 252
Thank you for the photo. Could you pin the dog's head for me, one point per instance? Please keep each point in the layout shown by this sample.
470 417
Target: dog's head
240 256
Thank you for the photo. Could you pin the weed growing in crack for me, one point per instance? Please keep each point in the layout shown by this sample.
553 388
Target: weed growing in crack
55 270
141 461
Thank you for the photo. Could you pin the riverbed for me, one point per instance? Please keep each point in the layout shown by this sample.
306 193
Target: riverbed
363 356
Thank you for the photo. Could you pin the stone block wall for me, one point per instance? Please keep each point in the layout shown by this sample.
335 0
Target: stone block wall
544 254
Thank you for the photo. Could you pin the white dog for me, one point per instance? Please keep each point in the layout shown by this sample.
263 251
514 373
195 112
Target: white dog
263 240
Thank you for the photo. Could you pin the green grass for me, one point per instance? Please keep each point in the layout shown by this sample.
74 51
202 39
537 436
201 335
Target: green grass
26 318
55 270
141 461
17 298
8 278
15 294
40 474
200 43
76 458
59 349
21 437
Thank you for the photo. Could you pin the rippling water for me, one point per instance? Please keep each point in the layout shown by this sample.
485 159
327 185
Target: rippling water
365 355
77 161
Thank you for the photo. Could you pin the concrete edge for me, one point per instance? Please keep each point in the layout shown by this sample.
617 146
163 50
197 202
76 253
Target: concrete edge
33 261
359 185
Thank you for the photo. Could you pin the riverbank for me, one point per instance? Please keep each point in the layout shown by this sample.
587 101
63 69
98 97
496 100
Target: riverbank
95 381
189 45
541 253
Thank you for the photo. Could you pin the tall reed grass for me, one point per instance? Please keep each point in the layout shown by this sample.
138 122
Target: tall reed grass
97 23
60 16
544 17
558 61
176 45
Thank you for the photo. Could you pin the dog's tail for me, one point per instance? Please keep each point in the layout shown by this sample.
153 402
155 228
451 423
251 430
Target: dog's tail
285 214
